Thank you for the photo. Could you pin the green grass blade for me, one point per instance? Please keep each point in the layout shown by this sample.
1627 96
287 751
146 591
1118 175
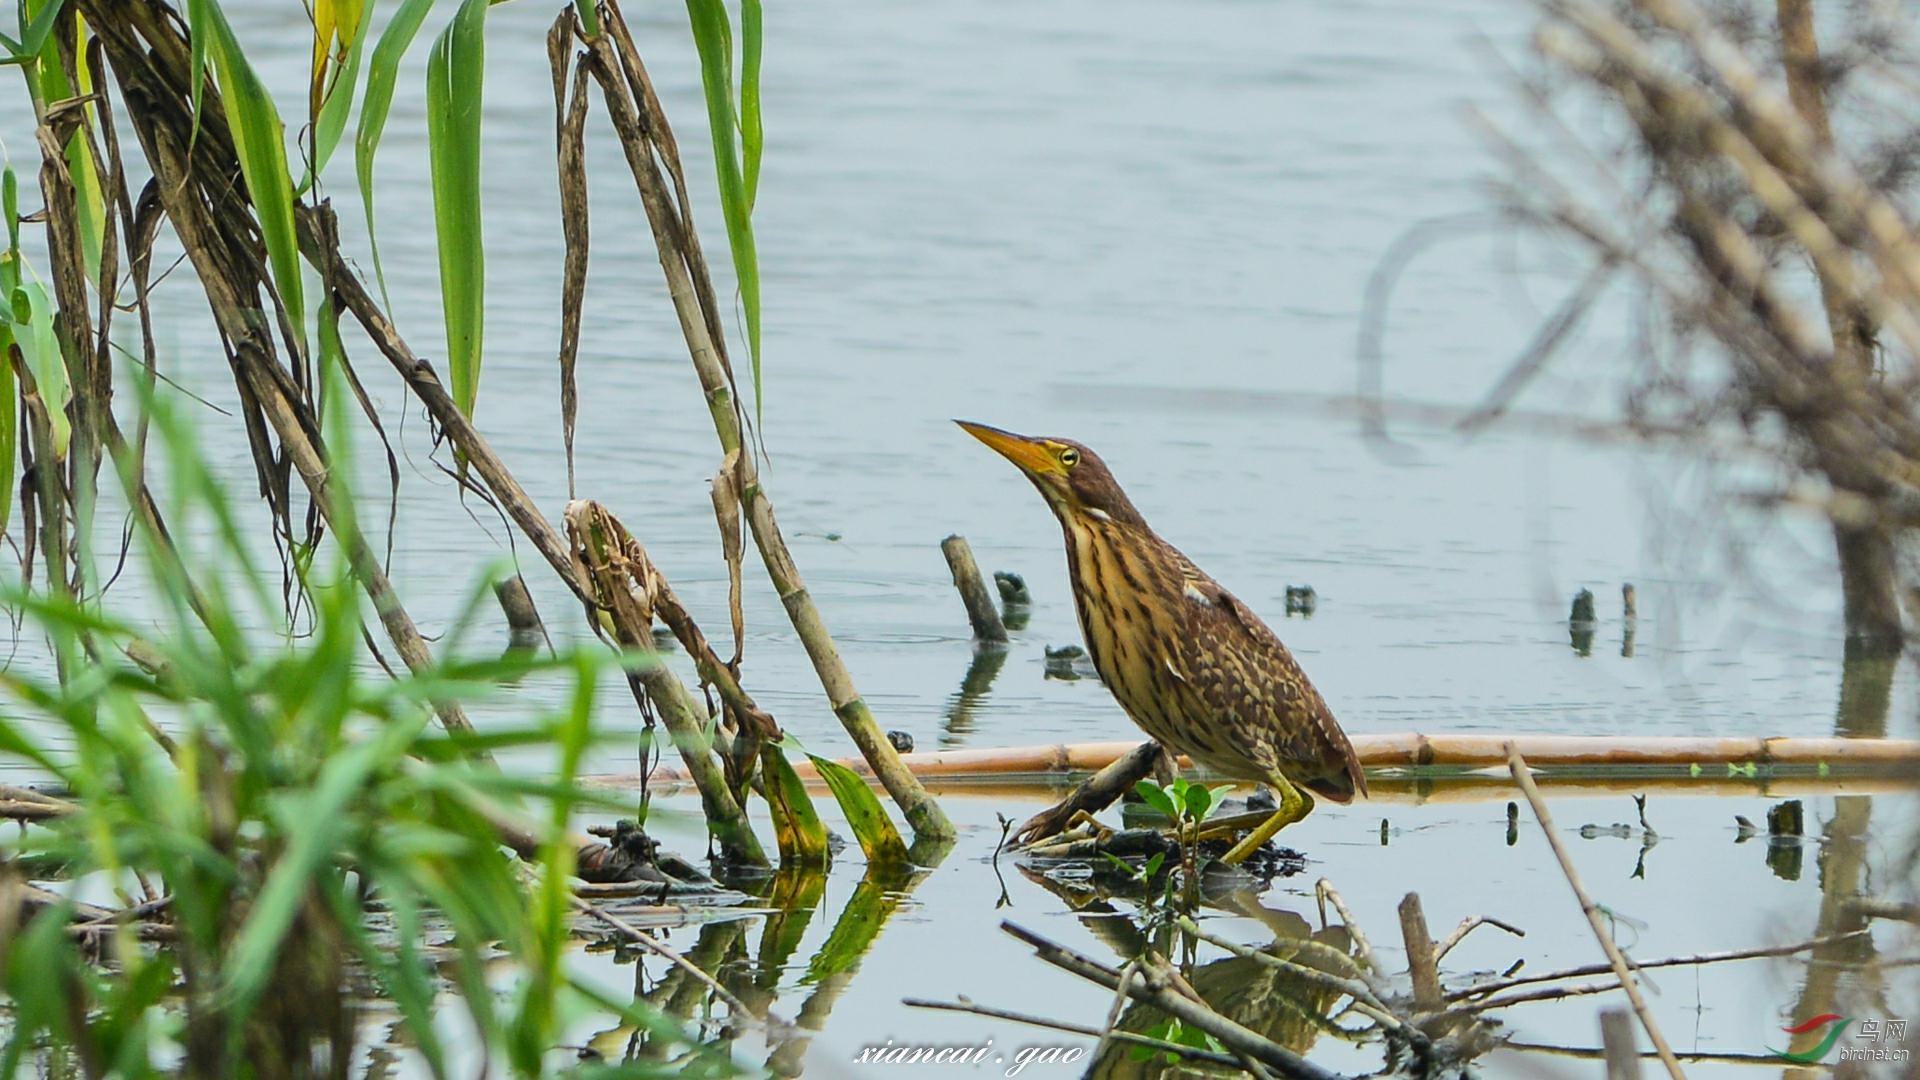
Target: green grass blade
49 81
713 38
320 819
383 72
33 33
454 78
878 837
258 138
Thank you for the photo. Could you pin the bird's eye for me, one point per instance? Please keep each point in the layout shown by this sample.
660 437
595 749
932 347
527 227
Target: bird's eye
1069 457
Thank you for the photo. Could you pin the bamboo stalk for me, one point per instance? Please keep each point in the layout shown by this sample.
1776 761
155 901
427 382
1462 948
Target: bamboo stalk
641 127
1518 765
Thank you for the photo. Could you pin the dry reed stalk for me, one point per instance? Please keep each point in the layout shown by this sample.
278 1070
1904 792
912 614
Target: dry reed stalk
627 588
646 138
1092 795
1521 776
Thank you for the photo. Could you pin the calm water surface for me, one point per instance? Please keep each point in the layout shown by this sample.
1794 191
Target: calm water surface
1148 227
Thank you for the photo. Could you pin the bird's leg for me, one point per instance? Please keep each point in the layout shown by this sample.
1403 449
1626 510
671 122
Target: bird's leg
1295 804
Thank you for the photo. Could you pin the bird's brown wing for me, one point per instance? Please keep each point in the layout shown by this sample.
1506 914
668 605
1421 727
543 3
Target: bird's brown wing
1246 690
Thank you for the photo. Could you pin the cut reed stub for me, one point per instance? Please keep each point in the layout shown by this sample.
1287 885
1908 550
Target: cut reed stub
984 617
525 631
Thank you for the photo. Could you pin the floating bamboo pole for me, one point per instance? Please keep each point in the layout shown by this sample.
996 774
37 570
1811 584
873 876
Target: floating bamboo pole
1712 755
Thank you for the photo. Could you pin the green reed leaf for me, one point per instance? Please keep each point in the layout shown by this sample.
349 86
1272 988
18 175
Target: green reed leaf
878 837
753 138
258 138
454 78
713 39
383 73
331 124
31 314
797 828
35 27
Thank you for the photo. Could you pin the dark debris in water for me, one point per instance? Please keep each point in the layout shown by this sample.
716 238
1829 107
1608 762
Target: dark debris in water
1302 601
1113 859
1069 662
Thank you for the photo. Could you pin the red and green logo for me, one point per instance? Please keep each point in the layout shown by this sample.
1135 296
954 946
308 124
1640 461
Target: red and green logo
1839 1024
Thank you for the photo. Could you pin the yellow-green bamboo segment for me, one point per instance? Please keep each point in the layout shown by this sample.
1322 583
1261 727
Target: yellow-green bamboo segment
648 142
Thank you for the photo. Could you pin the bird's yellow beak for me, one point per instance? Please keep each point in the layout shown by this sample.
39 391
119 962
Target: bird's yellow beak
1031 455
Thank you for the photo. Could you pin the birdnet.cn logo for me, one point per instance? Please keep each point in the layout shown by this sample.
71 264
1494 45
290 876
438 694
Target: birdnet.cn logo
1830 1026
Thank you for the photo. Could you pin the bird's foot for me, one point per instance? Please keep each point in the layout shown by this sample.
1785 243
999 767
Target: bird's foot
1295 804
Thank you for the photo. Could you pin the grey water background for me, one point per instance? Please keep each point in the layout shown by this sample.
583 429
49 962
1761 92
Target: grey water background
1147 227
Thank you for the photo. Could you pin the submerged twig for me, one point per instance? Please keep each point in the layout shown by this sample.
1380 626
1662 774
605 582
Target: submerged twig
1469 925
1518 767
1762 952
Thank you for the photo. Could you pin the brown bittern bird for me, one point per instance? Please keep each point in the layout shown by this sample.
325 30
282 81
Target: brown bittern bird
1190 663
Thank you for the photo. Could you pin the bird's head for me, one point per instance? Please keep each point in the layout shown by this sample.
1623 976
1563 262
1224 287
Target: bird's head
1072 478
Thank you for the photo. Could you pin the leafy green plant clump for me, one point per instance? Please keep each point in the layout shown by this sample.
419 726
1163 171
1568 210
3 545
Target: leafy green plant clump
277 833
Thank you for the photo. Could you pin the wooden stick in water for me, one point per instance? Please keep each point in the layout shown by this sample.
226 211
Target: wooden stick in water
985 618
1616 1038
